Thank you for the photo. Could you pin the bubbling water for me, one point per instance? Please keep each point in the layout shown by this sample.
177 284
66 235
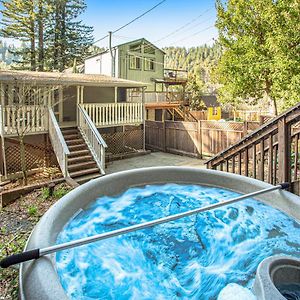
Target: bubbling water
194 257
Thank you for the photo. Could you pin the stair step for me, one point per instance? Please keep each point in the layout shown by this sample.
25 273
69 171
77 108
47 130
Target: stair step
68 131
77 147
75 141
82 166
78 159
86 178
71 136
84 172
79 153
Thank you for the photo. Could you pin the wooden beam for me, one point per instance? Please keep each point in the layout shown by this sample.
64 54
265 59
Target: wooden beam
261 166
270 158
296 149
60 104
116 94
284 151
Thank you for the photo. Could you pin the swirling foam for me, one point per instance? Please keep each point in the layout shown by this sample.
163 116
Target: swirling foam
195 257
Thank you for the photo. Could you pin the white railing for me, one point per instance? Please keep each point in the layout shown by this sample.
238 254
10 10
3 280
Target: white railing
92 137
113 114
151 97
58 143
24 119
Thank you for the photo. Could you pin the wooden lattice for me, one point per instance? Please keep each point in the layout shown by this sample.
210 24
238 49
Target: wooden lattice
36 156
124 142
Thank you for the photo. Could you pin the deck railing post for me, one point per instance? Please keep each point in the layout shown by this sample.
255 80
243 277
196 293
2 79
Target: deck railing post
284 151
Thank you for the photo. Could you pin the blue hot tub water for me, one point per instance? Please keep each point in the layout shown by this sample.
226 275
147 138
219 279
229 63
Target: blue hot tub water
194 257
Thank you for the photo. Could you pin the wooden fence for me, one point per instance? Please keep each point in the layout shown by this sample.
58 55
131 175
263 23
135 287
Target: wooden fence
202 138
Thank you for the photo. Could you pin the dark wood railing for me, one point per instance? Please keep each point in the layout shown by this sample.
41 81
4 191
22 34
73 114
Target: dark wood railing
270 153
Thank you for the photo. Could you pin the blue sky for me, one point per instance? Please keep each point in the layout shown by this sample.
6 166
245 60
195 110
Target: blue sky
108 15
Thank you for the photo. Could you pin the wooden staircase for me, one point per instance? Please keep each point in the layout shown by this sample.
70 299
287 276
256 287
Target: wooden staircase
271 153
81 165
182 114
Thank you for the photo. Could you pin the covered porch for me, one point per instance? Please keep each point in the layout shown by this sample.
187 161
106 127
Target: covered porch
26 96
73 110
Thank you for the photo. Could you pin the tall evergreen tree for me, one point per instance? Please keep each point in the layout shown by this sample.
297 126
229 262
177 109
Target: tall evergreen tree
51 29
18 22
67 37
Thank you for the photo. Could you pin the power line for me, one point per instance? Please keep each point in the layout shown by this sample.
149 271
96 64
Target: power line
135 19
184 26
189 36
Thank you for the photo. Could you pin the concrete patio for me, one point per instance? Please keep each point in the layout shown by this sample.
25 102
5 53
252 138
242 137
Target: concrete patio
154 159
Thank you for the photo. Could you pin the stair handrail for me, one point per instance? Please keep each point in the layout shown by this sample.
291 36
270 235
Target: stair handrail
269 126
92 137
58 142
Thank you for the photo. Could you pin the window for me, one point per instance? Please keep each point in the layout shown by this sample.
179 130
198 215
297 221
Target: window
215 111
136 48
134 62
149 64
149 49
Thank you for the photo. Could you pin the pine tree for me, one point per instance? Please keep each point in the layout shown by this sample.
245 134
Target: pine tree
50 30
19 22
68 38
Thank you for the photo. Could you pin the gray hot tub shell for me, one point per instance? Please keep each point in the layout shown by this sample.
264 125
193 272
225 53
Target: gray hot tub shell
39 280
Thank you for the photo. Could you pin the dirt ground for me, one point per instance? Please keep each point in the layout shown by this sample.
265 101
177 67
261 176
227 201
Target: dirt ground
16 222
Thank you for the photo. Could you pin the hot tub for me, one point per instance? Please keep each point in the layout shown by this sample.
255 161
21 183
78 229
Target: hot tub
39 279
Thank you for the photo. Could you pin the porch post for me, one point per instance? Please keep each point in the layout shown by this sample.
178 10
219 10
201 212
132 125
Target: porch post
144 118
60 104
81 94
3 162
10 94
77 103
116 94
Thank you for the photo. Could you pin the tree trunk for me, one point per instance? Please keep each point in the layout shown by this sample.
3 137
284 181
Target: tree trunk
32 40
268 93
41 36
23 159
63 38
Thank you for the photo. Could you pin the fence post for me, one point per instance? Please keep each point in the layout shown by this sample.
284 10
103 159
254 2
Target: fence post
164 137
199 139
284 151
245 128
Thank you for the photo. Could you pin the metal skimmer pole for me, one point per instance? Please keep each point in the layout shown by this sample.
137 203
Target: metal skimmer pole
37 253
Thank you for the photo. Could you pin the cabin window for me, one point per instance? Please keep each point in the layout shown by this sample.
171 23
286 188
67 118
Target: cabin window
149 64
215 111
149 49
136 48
134 62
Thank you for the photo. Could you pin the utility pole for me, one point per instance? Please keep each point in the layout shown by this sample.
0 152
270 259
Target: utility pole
113 63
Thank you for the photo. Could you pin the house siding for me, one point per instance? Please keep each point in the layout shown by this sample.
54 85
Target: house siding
102 64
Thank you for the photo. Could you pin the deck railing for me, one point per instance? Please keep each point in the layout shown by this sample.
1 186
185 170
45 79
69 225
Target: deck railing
152 97
92 137
58 143
113 114
270 153
24 119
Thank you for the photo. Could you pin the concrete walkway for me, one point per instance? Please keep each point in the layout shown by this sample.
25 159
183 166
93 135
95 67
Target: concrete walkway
154 159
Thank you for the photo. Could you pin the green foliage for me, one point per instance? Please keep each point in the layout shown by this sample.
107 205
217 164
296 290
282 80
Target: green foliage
195 88
45 193
59 192
198 61
51 32
32 210
261 56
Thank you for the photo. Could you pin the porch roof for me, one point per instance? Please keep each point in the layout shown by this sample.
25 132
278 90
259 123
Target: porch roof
68 79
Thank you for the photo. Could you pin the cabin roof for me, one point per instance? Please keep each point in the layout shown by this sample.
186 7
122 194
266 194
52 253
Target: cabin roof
123 44
210 100
68 79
